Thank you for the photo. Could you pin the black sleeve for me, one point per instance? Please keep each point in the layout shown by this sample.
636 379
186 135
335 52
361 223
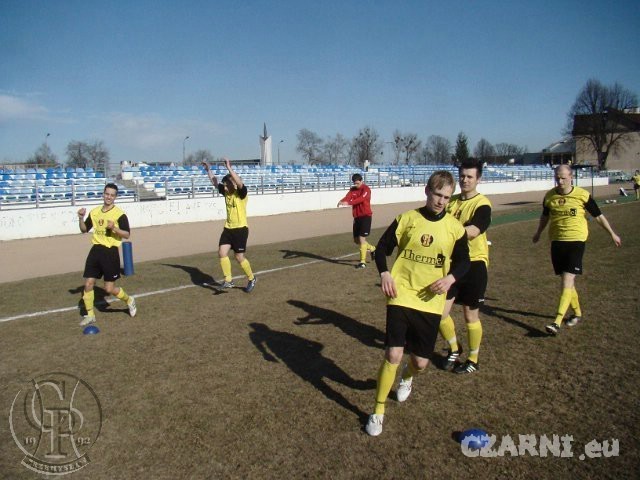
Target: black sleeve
88 223
460 262
242 193
385 247
545 210
592 207
221 188
123 223
481 218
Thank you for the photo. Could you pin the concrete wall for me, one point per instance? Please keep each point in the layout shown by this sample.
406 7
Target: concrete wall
52 221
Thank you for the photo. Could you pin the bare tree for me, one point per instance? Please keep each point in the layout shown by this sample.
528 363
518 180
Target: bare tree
484 151
506 151
406 145
199 156
309 145
335 149
87 155
43 157
597 116
437 151
366 146
462 147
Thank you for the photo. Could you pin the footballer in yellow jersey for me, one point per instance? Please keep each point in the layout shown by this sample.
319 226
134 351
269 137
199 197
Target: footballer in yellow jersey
564 209
110 225
432 254
473 210
236 229
636 184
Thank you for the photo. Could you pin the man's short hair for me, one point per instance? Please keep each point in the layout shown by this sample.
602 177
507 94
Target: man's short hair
111 185
440 179
469 163
356 177
227 178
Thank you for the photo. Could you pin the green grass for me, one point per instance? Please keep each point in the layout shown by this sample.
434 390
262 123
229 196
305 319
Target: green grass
278 383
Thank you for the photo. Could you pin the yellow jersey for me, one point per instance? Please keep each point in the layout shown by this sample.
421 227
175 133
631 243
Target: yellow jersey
568 214
236 205
98 219
465 210
424 254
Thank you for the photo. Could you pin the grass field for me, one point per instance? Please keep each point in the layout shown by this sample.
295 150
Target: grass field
278 383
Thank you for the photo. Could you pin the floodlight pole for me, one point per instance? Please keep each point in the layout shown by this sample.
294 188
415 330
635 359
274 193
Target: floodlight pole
279 151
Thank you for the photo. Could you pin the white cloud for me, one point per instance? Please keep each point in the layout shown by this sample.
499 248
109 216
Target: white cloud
15 108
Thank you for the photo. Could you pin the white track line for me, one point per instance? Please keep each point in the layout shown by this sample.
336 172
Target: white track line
166 290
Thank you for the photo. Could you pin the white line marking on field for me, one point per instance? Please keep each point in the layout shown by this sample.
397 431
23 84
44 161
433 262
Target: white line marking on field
166 290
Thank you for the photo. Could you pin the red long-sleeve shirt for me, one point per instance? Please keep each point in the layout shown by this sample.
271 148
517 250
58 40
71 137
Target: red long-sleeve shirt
360 201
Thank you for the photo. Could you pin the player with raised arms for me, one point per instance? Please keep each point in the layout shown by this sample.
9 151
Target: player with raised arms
236 229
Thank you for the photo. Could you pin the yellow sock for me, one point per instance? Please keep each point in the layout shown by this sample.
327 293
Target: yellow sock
575 303
363 252
386 377
448 332
246 268
474 330
88 298
121 295
225 263
563 305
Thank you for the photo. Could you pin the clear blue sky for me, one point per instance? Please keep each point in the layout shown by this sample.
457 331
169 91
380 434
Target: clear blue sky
142 75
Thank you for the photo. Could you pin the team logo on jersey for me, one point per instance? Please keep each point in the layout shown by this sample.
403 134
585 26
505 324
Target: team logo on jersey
562 201
457 214
426 240
101 222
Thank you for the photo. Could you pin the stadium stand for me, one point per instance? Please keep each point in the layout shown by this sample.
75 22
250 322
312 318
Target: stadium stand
32 187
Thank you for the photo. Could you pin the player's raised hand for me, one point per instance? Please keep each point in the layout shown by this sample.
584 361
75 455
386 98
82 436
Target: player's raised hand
205 164
227 163
82 212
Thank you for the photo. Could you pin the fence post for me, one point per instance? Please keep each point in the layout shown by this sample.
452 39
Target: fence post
73 193
37 194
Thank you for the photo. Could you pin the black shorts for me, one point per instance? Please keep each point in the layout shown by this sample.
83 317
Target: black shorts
413 329
236 237
567 257
103 261
361 227
469 290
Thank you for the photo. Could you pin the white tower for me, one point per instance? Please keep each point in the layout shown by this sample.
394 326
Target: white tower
265 149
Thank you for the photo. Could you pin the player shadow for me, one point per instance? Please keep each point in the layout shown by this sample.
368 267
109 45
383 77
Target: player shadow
304 358
99 301
197 276
498 312
289 254
366 334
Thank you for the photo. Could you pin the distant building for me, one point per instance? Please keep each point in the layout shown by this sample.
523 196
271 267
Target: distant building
558 153
626 123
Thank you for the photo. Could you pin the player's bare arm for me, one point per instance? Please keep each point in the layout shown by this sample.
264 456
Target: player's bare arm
212 178
81 213
604 223
234 176
544 220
